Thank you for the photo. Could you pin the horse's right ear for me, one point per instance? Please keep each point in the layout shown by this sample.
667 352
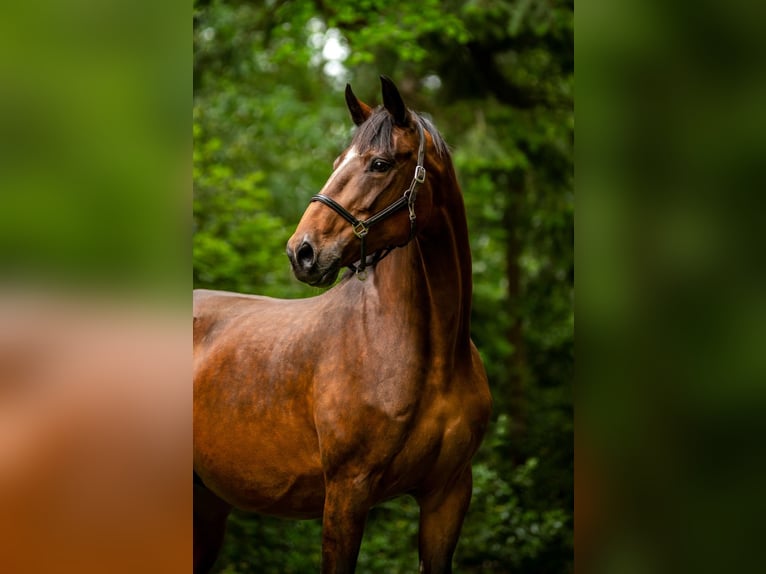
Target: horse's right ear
359 110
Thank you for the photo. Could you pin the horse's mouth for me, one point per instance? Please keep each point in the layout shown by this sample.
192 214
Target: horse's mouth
327 278
318 276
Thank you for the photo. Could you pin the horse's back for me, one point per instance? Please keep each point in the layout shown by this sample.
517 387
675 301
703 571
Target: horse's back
214 309
208 302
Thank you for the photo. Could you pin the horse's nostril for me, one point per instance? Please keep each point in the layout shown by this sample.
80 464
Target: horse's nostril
305 255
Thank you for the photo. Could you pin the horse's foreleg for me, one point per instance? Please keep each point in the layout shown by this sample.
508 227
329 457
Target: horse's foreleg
441 517
345 513
210 514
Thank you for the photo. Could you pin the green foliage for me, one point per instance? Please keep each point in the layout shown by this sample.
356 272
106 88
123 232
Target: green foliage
497 77
510 537
236 232
270 546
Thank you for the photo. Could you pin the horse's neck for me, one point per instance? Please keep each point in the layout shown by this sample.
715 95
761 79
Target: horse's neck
432 276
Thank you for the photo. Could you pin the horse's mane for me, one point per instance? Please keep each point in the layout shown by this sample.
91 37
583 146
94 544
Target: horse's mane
375 133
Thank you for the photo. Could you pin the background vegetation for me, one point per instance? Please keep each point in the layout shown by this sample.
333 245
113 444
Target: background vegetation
497 78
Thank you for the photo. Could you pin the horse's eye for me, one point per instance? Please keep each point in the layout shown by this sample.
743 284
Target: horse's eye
379 165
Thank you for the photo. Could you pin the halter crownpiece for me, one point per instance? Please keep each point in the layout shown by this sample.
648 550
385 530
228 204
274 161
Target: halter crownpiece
362 228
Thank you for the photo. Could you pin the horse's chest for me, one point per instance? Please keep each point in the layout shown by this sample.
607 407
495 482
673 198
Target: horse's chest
399 420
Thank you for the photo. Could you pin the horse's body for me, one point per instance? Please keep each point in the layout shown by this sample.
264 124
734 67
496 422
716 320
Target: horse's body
323 407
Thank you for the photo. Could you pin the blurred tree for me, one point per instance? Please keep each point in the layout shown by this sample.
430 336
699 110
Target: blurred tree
497 76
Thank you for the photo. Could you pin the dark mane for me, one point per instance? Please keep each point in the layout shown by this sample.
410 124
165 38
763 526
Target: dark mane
376 132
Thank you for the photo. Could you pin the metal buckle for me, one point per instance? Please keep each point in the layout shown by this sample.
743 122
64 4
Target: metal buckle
360 229
420 174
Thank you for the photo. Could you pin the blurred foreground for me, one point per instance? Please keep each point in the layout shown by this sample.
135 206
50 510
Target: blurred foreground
95 427
95 401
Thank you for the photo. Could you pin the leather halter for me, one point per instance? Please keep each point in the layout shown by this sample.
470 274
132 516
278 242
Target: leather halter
362 228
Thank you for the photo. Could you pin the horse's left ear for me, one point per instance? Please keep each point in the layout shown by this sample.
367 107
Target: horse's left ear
359 110
393 102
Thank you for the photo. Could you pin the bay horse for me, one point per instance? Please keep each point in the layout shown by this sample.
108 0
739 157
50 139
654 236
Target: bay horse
326 406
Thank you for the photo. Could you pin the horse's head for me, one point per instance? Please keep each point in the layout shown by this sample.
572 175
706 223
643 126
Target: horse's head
374 196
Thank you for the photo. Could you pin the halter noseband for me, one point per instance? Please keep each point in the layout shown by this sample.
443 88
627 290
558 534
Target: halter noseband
361 228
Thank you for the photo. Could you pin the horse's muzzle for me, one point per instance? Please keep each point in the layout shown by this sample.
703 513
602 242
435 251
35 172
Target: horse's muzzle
309 267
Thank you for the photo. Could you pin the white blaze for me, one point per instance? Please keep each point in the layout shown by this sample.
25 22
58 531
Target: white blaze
350 155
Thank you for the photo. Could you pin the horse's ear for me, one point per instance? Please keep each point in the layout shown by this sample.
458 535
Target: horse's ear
393 102
359 110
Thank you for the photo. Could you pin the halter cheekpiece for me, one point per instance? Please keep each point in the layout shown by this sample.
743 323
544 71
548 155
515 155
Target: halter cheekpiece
362 228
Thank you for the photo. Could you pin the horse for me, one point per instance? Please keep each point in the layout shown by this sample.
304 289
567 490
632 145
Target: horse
329 405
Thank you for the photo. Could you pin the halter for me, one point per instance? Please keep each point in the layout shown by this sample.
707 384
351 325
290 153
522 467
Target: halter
362 228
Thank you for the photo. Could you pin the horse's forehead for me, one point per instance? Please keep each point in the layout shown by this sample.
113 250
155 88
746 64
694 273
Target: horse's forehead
402 141
340 165
344 158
